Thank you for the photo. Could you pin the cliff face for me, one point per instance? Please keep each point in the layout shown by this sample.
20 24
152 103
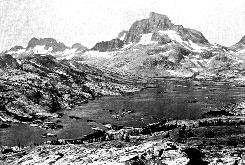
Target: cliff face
153 23
108 45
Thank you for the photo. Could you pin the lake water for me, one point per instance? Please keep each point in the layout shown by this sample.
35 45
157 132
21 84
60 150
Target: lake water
170 99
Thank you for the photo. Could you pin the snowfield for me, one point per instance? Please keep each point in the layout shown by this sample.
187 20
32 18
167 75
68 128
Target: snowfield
146 39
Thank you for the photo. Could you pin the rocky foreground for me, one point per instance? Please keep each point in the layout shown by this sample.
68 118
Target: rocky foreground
34 88
215 140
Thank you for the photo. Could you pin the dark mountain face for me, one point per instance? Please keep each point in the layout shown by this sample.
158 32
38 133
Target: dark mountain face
15 48
7 61
48 42
108 45
158 22
153 23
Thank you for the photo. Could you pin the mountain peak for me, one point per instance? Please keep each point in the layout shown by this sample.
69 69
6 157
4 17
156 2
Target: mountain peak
155 17
157 22
153 23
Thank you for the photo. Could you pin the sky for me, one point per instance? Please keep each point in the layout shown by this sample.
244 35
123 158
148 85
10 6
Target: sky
91 21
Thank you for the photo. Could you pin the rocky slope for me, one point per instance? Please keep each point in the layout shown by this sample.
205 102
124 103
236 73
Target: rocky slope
176 142
37 86
155 47
7 61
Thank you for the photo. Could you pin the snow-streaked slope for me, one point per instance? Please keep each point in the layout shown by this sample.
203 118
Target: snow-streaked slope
146 39
66 54
94 57
190 45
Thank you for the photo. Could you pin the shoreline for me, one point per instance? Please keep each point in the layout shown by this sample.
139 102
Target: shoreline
160 139
153 133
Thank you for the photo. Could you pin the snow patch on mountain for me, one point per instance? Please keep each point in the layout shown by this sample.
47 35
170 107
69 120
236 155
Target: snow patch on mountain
146 39
97 54
122 37
67 54
40 49
190 45
180 73
127 46
241 51
19 51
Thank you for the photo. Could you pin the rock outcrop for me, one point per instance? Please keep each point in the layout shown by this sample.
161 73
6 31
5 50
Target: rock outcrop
112 45
122 35
16 48
79 47
7 61
47 43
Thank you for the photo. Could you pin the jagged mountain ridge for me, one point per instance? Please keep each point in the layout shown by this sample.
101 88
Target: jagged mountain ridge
46 46
48 43
154 47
